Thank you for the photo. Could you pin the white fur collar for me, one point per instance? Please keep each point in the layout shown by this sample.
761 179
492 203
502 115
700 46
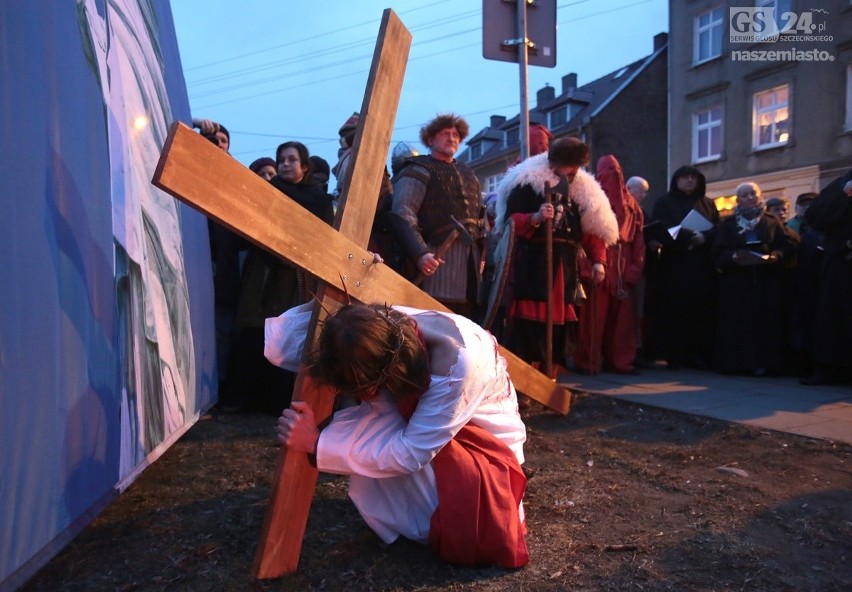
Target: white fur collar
596 215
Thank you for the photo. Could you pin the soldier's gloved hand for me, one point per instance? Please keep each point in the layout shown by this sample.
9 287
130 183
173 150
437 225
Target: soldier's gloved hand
428 263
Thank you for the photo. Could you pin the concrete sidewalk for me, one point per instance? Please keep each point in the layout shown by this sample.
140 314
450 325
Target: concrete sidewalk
773 403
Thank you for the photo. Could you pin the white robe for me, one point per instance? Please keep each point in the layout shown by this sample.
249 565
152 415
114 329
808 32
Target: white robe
391 479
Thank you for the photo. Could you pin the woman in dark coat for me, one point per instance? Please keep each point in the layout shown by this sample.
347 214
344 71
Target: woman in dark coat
752 249
269 287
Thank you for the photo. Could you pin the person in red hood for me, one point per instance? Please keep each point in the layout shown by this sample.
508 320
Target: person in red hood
539 139
539 143
606 336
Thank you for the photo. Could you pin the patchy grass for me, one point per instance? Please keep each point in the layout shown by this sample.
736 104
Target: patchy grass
620 497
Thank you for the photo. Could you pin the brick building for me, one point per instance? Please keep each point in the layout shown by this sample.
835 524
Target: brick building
622 113
750 111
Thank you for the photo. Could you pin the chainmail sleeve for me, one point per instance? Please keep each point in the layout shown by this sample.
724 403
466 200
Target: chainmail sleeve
408 194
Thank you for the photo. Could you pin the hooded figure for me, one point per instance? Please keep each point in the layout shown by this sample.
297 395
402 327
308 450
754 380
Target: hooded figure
540 138
607 320
681 298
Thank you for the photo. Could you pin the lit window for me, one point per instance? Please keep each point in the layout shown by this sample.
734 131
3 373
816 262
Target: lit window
708 36
707 135
771 118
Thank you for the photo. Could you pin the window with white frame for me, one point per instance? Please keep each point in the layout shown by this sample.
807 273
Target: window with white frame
771 118
494 181
781 7
557 117
708 35
849 94
707 134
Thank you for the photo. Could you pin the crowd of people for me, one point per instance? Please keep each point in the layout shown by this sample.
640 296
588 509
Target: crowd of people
595 284
755 292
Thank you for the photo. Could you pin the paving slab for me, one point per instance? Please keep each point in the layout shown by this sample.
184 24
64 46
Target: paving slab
775 403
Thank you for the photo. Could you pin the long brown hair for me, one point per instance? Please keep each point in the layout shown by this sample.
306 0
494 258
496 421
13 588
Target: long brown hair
364 347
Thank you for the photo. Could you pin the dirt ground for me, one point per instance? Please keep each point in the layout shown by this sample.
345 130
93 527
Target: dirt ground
620 497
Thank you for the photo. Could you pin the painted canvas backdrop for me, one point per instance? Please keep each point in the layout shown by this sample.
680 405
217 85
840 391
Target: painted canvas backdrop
106 332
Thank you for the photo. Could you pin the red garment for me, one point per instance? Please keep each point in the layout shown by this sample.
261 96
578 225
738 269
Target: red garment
480 488
623 204
625 260
536 310
607 333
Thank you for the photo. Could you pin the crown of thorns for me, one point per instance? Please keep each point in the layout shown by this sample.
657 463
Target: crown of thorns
387 372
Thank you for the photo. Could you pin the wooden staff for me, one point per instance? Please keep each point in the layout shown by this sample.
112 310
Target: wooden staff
548 262
595 363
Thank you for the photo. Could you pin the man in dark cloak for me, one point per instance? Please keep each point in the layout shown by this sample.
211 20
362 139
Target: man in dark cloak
831 214
753 251
683 298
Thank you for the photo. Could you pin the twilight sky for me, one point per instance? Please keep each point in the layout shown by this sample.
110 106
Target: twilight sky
274 71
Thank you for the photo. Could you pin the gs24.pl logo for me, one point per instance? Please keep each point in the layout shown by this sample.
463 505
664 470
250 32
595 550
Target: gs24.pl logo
749 24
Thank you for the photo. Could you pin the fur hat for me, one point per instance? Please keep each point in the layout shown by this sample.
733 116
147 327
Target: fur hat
569 151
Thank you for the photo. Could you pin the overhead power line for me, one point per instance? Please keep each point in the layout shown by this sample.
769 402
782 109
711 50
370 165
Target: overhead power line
347 47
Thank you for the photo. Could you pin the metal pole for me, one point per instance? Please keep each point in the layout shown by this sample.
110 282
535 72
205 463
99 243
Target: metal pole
548 263
523 61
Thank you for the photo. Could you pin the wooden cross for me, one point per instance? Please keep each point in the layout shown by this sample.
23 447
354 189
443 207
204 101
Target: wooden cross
195 171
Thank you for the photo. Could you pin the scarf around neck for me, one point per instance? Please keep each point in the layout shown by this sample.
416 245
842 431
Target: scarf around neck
748 218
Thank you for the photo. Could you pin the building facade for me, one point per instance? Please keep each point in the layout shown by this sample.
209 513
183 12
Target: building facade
761 90
622 113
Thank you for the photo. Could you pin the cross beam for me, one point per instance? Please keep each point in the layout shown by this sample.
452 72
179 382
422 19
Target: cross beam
196 172
193 170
